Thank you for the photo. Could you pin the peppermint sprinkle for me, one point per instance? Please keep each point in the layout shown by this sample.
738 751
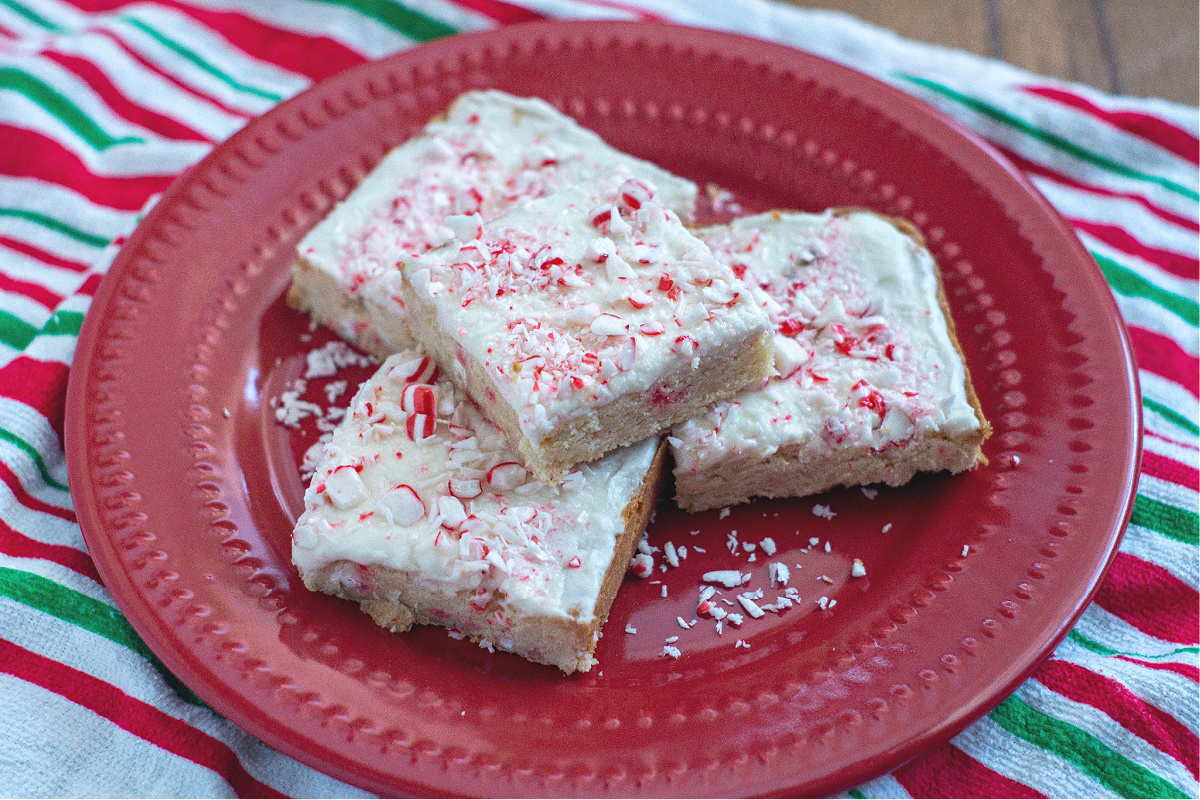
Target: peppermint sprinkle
823 511
669 651
682 623
729 578
779 574
768 546
671 639
870 493
886 528
629 628
751 607
742 643
857 570
827 547
672 556
823 603
966 549
664 590
724 513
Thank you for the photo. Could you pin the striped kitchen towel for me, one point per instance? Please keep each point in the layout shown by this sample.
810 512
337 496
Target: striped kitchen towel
104 102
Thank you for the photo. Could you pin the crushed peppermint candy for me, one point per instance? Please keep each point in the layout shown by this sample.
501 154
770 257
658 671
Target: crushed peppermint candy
629 628
325 361
642 565
823 511
857 570
729 578
670 651
869 492
750 606
768 546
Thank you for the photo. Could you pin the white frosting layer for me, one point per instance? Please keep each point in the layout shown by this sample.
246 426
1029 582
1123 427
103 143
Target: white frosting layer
581 297
416 479
861 344
492 152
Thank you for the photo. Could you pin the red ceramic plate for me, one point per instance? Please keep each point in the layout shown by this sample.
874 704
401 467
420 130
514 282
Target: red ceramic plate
186 487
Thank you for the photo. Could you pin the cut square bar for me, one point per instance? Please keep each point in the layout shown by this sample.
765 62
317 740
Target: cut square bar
586 320
420 512
871 385
490 152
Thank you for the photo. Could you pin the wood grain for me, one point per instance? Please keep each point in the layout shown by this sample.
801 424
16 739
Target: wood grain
1148 48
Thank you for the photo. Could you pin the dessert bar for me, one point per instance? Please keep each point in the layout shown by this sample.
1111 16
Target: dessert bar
586 320
871 386
490 152
421 512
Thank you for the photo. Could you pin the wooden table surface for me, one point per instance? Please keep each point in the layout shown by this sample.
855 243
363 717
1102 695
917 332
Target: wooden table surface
1145 48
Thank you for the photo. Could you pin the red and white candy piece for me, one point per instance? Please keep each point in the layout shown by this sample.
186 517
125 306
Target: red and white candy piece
639 299
418 370
634 194
652 328
418 398
685 345
642 565
402 505
600 249
627 356
345 488
420 426
609 325
506 477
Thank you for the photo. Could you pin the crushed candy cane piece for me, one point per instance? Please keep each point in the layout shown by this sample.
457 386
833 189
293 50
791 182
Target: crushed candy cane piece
751 607
823 511
729 578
